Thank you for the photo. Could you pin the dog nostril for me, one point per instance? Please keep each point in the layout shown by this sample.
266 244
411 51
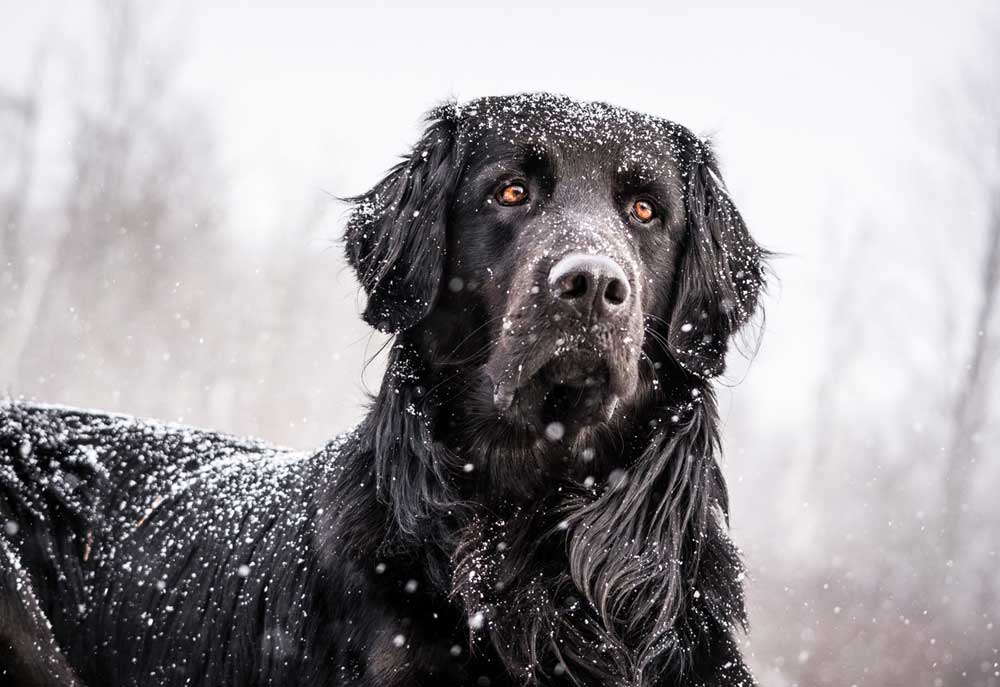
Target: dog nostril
589 282
616 292
573 286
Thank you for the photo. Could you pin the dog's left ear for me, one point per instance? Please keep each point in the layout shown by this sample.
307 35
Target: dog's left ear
720 275
395 236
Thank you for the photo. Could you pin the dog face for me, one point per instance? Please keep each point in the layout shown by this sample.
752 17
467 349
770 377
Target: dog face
574 253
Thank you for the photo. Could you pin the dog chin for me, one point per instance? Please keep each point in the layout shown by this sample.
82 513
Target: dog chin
568 393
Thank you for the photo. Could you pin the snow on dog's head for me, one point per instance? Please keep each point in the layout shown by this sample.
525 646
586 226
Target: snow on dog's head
574 252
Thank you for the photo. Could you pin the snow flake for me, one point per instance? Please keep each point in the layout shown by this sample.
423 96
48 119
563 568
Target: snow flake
554 431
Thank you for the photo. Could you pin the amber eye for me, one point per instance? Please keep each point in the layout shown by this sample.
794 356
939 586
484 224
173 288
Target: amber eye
512 194
643 210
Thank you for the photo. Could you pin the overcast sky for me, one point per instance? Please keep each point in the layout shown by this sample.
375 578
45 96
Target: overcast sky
820 113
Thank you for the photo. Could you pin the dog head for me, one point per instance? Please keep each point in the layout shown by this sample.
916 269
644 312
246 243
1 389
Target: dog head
572 252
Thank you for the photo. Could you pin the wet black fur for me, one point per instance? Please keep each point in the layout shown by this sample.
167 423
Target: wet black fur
383 559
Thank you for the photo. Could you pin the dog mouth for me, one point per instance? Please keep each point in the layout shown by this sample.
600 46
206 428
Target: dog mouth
577 392
566 390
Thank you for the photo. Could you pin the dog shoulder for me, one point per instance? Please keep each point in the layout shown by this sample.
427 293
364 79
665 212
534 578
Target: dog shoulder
65 465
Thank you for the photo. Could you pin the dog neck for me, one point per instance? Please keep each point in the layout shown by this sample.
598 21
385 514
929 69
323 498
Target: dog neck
565 564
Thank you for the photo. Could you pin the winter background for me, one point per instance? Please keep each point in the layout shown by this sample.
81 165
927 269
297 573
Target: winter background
169 248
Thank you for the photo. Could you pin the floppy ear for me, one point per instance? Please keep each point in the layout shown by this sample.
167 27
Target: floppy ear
395 236
720 275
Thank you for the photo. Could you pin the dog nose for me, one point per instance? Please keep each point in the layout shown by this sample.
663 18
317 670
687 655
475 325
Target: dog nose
590 282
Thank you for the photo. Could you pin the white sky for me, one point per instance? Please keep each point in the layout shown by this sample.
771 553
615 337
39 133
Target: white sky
819 112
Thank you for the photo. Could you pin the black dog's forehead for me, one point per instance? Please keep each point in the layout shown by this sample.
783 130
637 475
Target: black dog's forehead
559 126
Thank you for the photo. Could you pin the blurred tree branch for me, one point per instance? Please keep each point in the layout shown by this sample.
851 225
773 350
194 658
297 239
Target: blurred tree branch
972 405
978 138
16 270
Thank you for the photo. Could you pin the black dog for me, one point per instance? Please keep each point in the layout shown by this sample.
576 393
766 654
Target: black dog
533 498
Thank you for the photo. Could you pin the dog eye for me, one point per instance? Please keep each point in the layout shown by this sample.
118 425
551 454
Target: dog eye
512 194
643 210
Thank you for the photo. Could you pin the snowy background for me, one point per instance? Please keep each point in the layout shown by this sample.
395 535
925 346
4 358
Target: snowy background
168 247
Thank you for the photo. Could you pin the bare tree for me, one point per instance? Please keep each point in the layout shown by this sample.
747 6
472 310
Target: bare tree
973 402
978 145
898 583
21 112
114 240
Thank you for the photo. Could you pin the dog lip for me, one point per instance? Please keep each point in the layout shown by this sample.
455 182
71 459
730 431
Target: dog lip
623 379
610 406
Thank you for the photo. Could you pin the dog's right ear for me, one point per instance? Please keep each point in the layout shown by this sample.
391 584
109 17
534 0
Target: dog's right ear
395 236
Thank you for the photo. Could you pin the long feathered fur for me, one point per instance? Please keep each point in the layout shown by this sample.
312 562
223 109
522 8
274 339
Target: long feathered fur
615 587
